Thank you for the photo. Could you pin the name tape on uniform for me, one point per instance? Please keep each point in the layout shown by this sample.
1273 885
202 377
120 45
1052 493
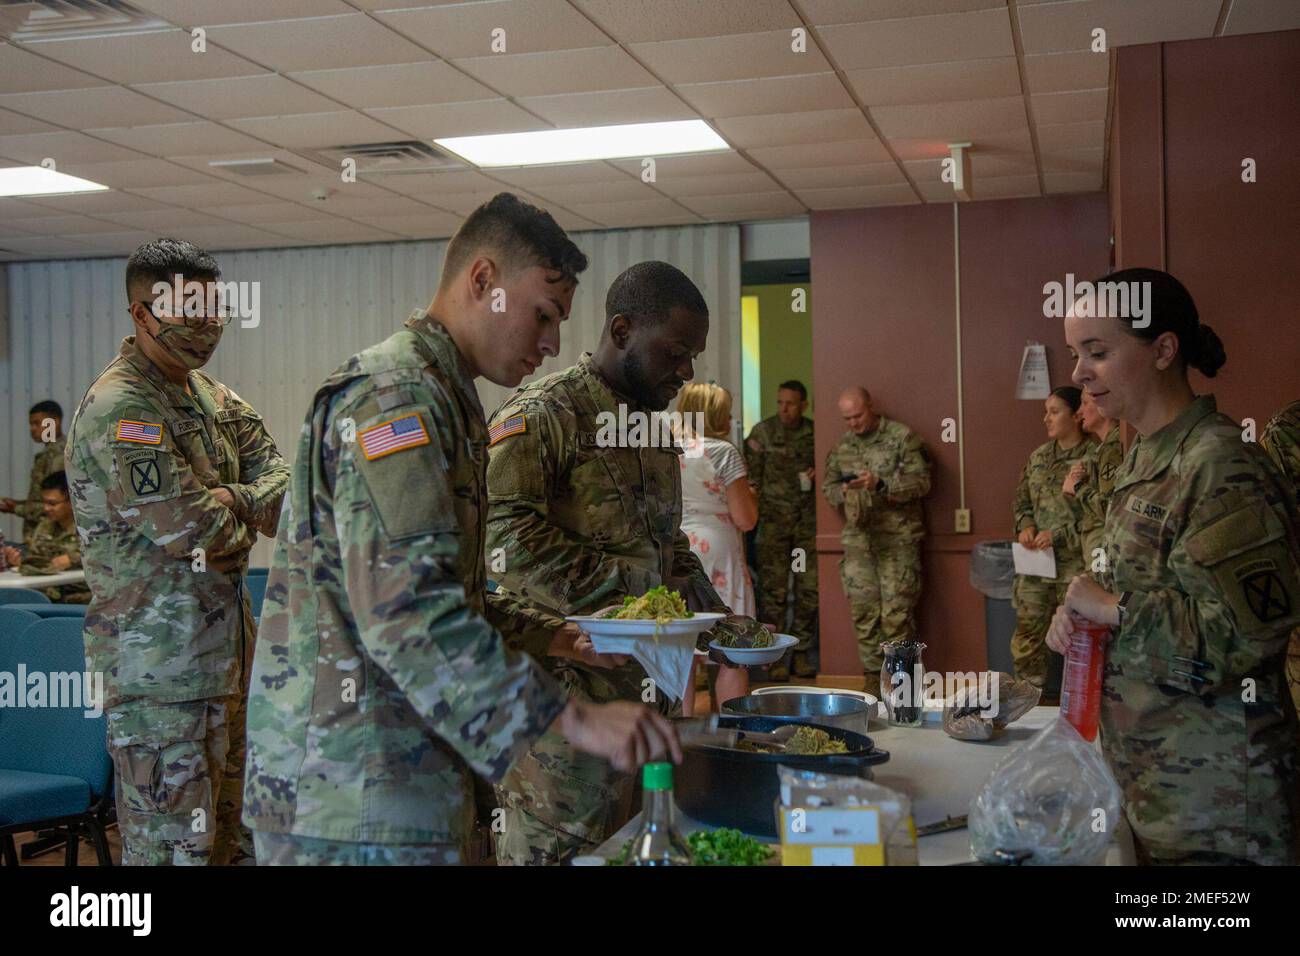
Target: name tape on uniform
392 436
515 425
143 432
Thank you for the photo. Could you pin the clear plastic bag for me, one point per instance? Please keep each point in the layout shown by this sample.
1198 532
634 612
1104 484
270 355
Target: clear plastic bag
1053 802
993 569
966 716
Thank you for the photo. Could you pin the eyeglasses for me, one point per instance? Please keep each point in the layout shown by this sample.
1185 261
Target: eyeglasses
194 316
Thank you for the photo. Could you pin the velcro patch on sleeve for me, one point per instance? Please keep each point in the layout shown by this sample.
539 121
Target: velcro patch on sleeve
391 436
145 433
515 425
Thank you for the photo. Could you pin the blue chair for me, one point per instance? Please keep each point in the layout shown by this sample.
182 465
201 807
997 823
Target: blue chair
255 584
13 621
22 596
55 771
51 610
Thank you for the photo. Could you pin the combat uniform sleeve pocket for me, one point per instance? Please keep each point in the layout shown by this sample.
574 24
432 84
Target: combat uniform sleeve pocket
1228 536
406 474
1246 553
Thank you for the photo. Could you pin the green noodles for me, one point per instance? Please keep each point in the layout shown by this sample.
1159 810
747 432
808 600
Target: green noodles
658 604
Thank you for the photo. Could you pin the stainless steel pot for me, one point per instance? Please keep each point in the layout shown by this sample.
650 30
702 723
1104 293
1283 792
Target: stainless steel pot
836 710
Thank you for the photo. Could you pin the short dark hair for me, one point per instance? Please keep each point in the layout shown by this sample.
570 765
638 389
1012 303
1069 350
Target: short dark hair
1172 309
794 385
55 481
161 260
649 291
47 407
521 234
1070 395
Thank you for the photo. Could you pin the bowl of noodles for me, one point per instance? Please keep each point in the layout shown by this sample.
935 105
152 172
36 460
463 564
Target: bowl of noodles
658 615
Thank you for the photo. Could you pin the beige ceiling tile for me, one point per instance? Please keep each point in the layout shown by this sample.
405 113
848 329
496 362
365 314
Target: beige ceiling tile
332 231
784 129
383 204
64 148
15 124
771 203
432 184
1067 136
442 120
64 225
541 178
935 39
953 122
848 197
850 153
430 225
1082 106
1058 27
317 130
1004 187
26 72
937 82
679 19
304 187
1262 16
656 104
821 12
44 246
100 106
398 84
1060 72
99 204
778 94
997 163
214 193
232 235
318 43
268 210
935 191
680 187
829 177
910 150
141 171
631 219
205 13
182 139
166 221
461 30
148 57
115 243
241 96
568 71
738 57
1074 160
567 221
1014 143
26 209
1071 182
464 203
621 190
605 212
701 164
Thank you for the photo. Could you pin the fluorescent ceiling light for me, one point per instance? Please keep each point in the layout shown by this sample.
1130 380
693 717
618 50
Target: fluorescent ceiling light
578 145
39 181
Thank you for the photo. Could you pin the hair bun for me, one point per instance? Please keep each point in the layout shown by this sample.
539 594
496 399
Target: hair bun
1210 356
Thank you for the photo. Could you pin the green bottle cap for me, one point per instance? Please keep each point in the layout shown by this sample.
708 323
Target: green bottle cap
657 776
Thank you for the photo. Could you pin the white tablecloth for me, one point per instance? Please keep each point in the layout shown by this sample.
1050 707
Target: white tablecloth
941 775
12 579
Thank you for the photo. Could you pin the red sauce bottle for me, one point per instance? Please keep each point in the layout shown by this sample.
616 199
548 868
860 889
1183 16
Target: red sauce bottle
1085 663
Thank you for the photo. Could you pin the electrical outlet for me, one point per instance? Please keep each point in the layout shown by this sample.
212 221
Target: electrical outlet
961 521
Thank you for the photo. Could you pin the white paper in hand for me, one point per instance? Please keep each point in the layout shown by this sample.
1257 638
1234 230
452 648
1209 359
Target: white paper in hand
1039 564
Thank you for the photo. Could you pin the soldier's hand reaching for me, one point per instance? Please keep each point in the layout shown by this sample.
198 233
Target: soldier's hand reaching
7 505
626 734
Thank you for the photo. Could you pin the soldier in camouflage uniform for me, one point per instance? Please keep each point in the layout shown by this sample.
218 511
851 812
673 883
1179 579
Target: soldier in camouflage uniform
878 473
1202 591
1281 439
582 521
381 684
1092 480
1045 517
779 455
45 419
172 476
54 546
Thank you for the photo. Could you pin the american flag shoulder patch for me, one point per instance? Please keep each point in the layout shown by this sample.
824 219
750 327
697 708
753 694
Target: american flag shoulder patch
393 435
515 425
146 433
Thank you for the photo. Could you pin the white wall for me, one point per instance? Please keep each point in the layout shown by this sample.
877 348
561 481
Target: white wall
61 322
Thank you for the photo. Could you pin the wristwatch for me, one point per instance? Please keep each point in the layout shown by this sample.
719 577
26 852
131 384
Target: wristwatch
1122 607
880 486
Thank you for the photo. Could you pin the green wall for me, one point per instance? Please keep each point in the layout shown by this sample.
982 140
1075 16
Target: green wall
785 340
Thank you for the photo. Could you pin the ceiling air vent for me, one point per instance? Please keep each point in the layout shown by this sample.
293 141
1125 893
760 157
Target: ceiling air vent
253 167
25 21
407 156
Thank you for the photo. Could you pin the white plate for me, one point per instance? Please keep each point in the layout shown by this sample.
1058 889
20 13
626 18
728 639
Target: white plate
752 656
599 628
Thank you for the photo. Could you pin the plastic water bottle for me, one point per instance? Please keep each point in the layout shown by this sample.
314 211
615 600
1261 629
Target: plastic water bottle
1085 663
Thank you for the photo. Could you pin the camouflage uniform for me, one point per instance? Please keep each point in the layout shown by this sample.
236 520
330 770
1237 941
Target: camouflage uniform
172 641
1202 534
787 515
1040 502
1092 494
380 684
48 460
1281 439
580 526
883 527
47 542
